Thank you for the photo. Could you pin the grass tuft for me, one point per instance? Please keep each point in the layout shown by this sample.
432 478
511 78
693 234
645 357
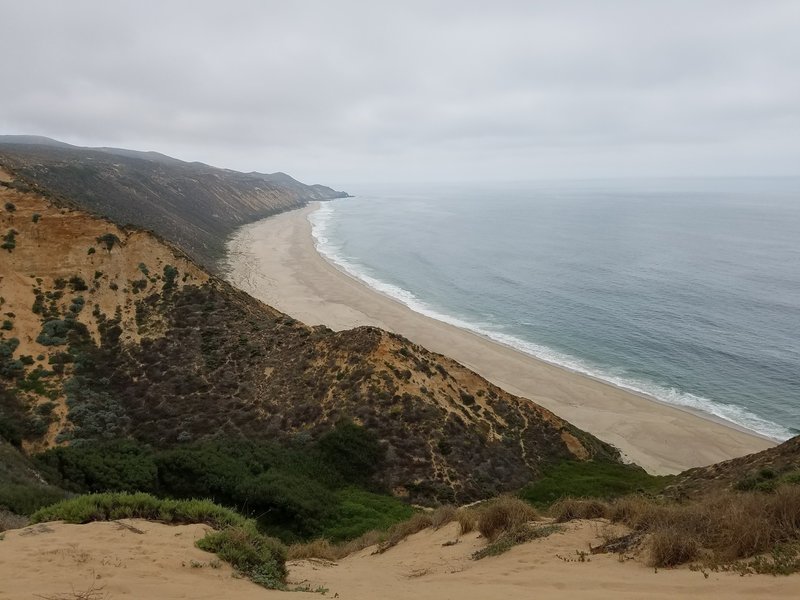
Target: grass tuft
443 515
570 509
314 549
400 531
504 514
467 520
670 547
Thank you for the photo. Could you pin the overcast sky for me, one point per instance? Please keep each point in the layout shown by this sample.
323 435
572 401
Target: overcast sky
387 91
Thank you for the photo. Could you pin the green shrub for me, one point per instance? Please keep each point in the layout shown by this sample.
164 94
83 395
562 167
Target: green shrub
35 217
117 466
10 207
590 479
170 275
358 511
26 499
78 284
112 506
261 558
352 451
54 333
9 240
109 240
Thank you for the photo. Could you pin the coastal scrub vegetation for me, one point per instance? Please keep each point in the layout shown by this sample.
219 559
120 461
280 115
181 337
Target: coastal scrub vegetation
21 491
591 479
295 491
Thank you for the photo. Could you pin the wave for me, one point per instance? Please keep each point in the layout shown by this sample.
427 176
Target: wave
736 415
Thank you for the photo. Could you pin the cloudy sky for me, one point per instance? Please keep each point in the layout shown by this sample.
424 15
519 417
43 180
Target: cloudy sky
378 91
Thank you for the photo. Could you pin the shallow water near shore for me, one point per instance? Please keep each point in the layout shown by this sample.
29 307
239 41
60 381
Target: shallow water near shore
685 290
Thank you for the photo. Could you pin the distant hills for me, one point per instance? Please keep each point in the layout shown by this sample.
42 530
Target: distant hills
194 205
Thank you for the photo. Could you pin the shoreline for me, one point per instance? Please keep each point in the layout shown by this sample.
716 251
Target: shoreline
276 261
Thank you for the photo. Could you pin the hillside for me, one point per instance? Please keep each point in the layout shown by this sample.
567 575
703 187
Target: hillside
193 205
760 471
109 332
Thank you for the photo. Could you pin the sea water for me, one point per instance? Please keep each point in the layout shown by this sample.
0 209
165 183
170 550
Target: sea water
685 290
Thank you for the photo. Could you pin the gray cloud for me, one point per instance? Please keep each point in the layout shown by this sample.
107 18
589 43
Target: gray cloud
348 91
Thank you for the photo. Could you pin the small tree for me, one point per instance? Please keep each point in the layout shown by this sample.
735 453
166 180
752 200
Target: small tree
108 240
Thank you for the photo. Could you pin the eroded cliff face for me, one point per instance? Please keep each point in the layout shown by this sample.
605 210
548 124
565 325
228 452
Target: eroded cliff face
61 272
110 332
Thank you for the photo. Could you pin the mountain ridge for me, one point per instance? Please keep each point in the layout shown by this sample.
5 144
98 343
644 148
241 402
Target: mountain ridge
194 205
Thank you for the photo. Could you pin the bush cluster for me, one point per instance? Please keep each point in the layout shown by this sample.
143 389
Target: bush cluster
295 491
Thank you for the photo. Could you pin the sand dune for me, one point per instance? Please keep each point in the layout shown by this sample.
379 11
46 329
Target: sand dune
55 560
275 261
421 568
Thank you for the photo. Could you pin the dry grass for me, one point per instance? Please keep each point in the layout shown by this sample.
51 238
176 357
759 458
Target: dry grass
400 531
443 515
717 530
670 547
570 509
721 529
324 550
504 514
370 538
315 549
467 520
384 540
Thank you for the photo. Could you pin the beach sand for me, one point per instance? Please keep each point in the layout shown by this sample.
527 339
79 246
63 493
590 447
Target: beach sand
275 260
141 559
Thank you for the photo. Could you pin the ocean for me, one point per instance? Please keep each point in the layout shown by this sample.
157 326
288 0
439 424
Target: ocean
685 290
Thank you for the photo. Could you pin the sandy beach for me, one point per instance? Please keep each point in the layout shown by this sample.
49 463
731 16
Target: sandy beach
275 260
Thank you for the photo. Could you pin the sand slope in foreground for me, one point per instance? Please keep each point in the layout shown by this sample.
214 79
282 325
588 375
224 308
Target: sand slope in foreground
53 559
56 560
